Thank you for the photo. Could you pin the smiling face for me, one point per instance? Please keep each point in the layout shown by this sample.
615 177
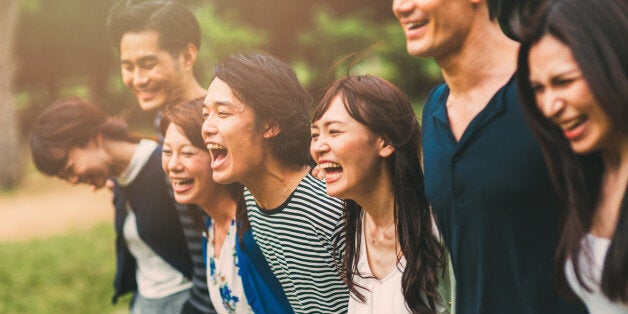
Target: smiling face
237 148
352 157
89 165
564 97
152 73
434 28
187 167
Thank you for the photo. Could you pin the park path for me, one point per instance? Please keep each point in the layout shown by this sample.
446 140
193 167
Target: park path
46 206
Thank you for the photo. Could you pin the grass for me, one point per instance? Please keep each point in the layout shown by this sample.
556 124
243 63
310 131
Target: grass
71 273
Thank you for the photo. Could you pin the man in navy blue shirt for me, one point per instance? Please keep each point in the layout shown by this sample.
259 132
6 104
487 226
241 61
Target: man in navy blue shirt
484 172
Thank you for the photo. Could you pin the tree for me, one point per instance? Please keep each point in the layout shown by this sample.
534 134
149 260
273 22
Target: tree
10 163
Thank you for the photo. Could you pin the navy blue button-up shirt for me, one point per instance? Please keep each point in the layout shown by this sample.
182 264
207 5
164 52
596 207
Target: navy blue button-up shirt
495 206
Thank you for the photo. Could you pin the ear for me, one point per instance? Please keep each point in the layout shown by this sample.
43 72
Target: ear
385 149
187 56
271 129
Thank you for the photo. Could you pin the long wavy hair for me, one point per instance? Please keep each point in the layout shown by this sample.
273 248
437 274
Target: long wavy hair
386 111
595 32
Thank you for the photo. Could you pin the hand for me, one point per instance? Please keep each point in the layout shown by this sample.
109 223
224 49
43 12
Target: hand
318 172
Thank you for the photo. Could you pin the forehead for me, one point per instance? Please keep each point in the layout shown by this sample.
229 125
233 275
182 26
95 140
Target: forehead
175 136
336 111
550 56
134 45
220 94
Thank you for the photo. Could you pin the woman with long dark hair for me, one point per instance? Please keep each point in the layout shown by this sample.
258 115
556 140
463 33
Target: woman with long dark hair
77 142
366 141
573 81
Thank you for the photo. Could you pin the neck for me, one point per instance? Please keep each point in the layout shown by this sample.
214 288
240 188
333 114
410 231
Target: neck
378 202
615 157
487 57
193 89
220 205
121 153
273 183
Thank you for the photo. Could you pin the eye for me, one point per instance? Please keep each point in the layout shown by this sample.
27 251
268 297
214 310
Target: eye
223 113
187 153
314 136
166 152
205 115
537 88
127 67
334 131
149 65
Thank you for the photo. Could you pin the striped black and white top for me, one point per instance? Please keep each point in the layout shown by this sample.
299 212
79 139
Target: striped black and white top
297 240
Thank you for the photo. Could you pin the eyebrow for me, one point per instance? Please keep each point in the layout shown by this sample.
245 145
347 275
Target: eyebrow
143 59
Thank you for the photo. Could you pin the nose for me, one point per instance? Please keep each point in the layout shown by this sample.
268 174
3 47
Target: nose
318 147
401 8
551 104
173 164
139 77
208 128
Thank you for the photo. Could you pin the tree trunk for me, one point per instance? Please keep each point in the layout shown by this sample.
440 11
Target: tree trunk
10 149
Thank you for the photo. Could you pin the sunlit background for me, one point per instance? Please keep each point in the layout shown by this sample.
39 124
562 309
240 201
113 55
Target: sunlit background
56 241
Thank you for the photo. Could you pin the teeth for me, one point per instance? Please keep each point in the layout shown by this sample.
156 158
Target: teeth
332 176
181 181
214 146
416 24
327 165
573 123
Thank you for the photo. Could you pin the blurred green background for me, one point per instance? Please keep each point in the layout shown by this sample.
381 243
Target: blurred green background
59 48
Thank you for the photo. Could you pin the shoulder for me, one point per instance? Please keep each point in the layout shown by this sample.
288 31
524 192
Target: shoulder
313 191
436 97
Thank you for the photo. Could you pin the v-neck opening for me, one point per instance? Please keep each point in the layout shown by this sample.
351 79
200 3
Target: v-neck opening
493 108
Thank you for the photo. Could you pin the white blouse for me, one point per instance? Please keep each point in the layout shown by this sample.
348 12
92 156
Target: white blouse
591 274
381 295
223 281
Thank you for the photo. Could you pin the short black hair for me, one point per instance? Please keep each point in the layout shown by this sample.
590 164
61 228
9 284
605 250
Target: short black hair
176 25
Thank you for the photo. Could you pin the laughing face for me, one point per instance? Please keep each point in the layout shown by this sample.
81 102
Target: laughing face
231 135
350 155
89 165
187 167
434 28
152 73
564 97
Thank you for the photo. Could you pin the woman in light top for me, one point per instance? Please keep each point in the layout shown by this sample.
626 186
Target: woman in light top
573 67
366 141
77 142
187 164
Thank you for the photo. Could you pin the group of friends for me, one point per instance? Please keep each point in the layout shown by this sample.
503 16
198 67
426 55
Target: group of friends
509 197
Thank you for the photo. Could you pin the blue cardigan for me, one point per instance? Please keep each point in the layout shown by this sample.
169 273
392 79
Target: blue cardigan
157 223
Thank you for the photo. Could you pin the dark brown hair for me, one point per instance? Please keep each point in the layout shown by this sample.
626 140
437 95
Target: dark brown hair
595 33
188 117
386 111
68 123
271 88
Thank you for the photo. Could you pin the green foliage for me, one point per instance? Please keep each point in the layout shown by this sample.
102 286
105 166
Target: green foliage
222 34
359 43
71 273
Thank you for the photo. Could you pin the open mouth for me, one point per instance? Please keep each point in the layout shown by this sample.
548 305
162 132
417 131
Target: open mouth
416 25
574 128
147 94
218 153
181 185
333 171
